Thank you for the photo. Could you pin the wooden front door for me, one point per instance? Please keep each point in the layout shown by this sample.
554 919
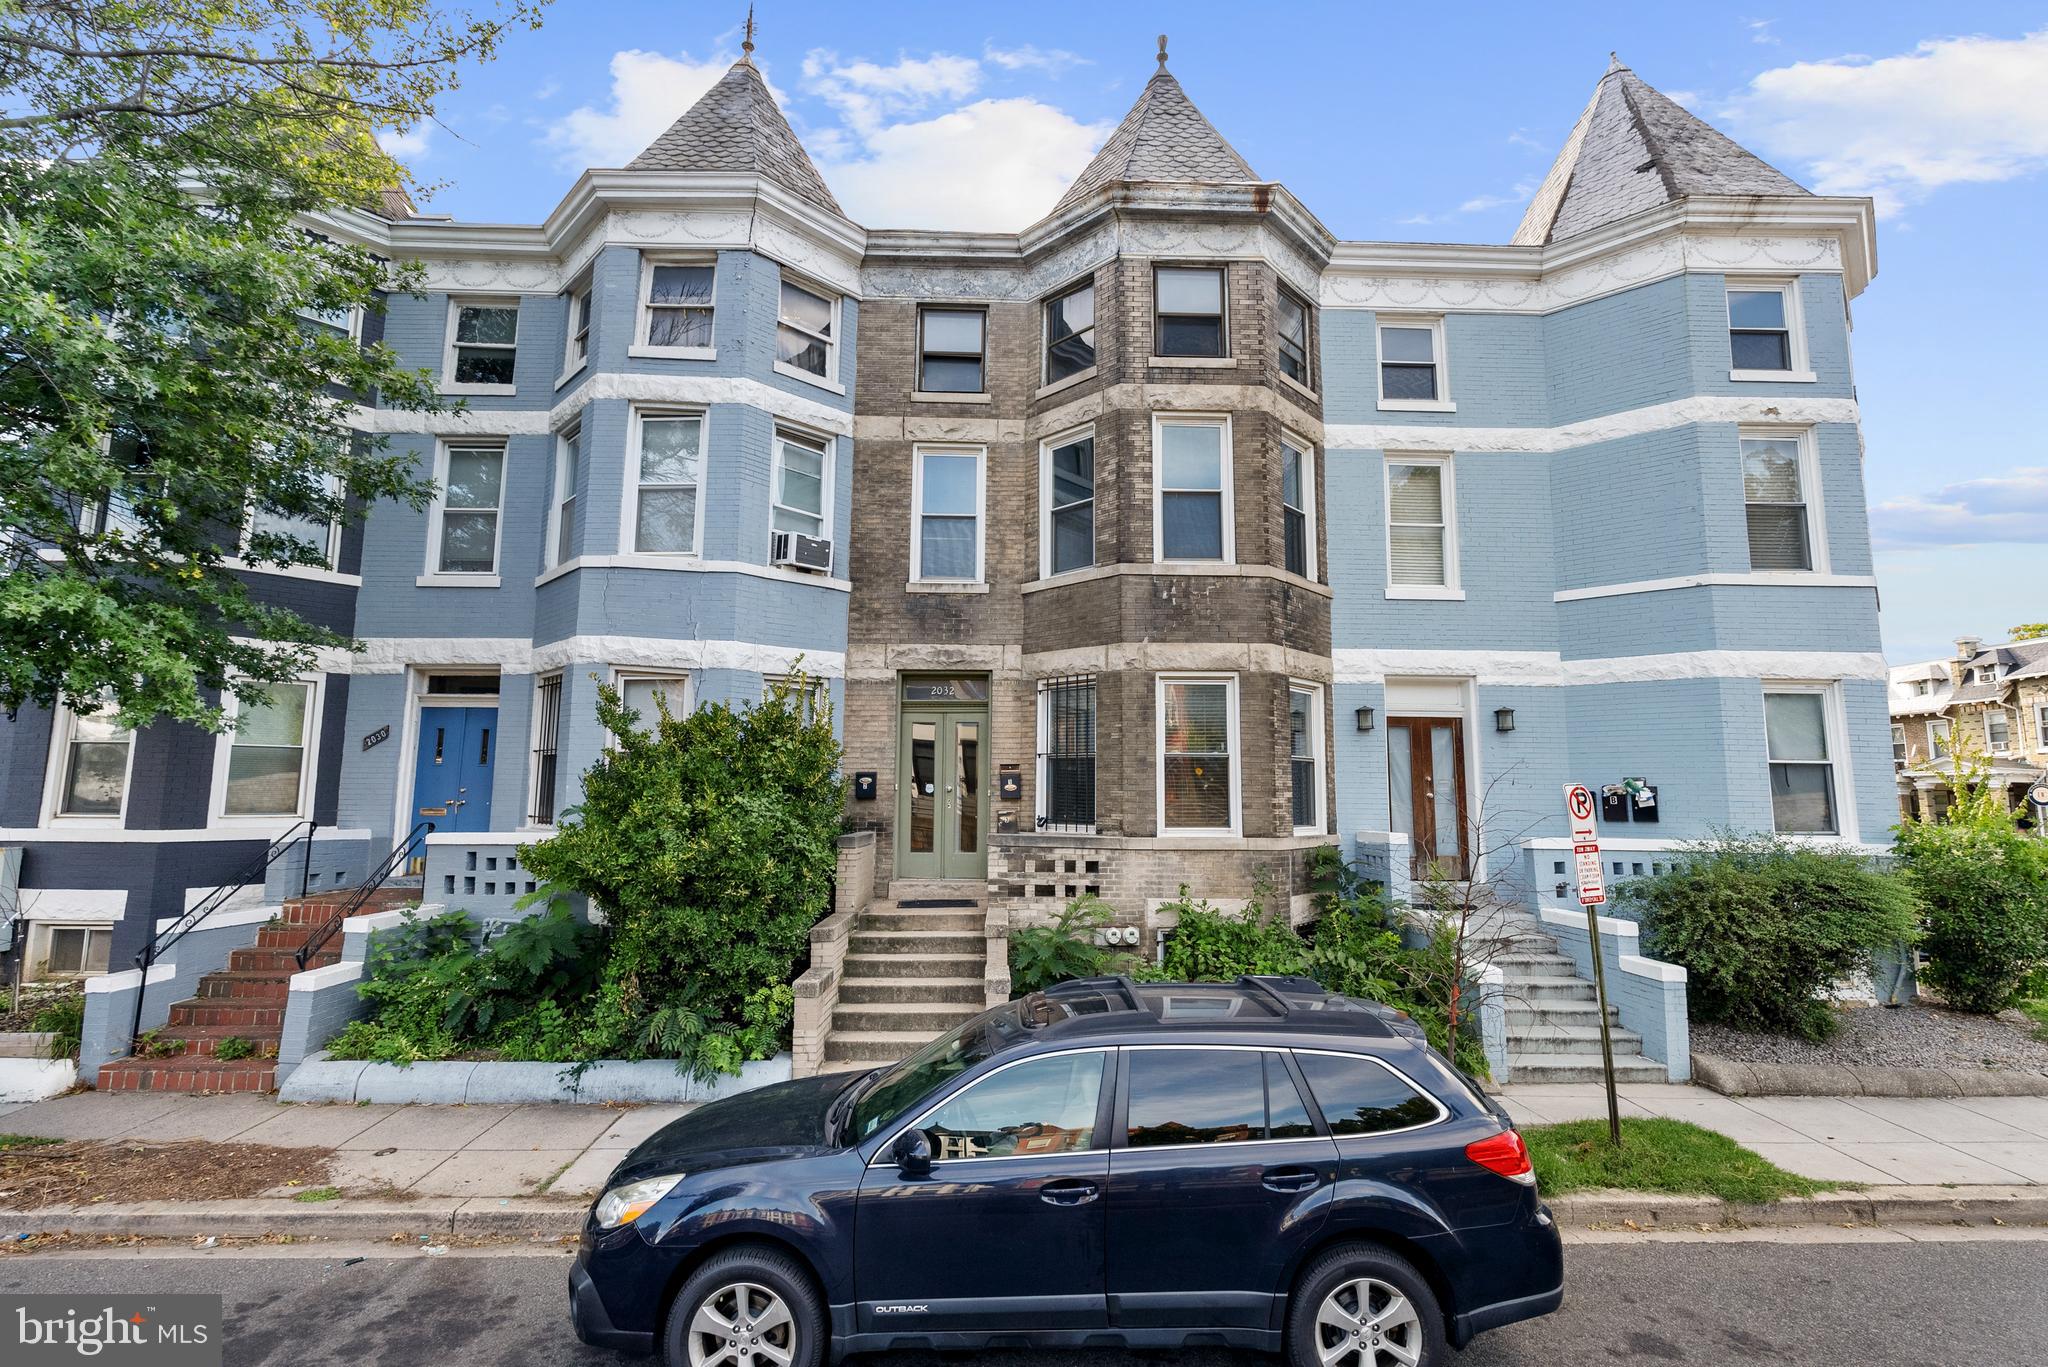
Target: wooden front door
1426 791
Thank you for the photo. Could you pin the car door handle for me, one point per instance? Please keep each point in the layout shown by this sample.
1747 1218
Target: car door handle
1072 1191
1291 1179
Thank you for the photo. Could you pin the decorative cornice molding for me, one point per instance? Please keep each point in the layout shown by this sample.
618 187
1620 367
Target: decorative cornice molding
692 390
515 655
1548 669
1705 408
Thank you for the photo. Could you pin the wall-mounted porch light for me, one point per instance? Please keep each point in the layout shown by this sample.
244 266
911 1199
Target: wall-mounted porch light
1365 719
1503 718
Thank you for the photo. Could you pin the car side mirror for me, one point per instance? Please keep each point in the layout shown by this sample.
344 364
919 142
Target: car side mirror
912 1152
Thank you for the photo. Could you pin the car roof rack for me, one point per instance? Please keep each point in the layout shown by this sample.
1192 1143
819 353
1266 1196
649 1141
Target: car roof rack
1280 989
1121 982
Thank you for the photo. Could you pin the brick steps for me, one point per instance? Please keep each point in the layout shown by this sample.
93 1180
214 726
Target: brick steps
188 1075
253 1020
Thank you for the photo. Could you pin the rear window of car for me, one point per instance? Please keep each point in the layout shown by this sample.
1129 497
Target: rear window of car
1360 1096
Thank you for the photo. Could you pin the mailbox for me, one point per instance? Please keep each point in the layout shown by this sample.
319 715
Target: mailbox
864 785
1614 803
1010 783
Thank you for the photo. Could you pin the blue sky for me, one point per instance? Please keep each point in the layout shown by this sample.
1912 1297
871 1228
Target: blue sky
1427 123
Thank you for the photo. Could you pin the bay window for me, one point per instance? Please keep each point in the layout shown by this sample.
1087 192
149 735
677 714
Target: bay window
266 769
1191 511
664 501
1803 788
1198 781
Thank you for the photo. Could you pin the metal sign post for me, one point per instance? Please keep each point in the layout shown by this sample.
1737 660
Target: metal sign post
1579 805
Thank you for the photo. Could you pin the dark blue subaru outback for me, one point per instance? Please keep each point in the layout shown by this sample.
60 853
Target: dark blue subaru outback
1257 1164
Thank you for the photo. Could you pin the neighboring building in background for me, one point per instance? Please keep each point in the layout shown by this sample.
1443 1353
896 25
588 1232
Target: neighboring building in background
1989 701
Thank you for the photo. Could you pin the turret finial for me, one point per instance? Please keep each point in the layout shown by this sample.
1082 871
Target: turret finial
1162 52
747 44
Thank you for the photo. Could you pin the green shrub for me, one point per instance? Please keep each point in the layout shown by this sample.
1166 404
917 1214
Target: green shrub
1765 928
1985 890
64 1019
1209 945
234 1047
1043 955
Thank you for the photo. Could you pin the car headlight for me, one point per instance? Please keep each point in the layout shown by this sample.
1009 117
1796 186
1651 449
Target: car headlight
623 1205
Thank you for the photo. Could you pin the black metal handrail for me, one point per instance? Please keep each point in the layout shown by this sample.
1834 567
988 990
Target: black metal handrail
157 944
399 854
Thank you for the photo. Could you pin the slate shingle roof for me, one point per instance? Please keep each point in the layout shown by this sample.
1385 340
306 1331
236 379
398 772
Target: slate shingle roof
1635 149
738 127
1164 137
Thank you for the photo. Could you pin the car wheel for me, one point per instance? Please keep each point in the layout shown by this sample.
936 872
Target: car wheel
751 1307
1363 1306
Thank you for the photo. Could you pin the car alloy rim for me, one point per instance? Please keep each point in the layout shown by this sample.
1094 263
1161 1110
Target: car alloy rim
1368 1323
742 1324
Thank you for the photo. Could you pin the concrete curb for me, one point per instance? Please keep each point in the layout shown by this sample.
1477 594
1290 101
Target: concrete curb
1876 1206
1731 1077
457 1082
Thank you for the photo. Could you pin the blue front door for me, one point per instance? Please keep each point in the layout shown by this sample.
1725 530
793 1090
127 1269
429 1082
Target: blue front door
451 790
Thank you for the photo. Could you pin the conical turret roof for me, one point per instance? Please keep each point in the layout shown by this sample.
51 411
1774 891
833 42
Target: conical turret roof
1635 148
1164 137
737 126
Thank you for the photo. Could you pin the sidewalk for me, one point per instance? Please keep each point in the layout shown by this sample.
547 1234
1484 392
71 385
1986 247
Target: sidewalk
1882 1141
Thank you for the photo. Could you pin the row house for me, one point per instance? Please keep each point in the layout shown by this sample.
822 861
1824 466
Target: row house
1990 703
1165 541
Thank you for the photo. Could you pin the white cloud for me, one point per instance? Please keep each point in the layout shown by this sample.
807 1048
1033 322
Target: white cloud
993 165
649 92
1052 61
865 93
2008 507
1952 111
1760 32
548 89
409 144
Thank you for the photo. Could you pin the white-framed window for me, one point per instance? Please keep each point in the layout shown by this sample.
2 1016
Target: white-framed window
647 691
951 350
1066 500
561 534
664 515
1414 373
1197 748
1765 338
805 335
800 494
576 327
1937 737
1066 754
1188 311
1997 730
2041 724
483 346
1305 756
1781 501
114 510
463 538
677 305
1802 731
814 694
68 951
323 534
1291 329
1070 332
1422 527
1899 742
263 766
1191 497
948 486
1297 506
91 755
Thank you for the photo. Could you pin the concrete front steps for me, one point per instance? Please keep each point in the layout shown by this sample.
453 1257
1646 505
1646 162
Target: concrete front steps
1553 1015
244 1000
913 970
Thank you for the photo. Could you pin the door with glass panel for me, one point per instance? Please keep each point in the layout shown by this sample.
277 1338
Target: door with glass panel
1426 792
942 794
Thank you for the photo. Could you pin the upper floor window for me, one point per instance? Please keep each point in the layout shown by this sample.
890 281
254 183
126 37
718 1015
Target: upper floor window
1422 542
804 334
1898 743
664 505
946 494
1774 493
483 344
114 509
1192 489
1067 493
2041 725
800 481
1292 331
1997 730
465 516
950 351
321 533
1764 339
1070 333
1297 508
91 750
577 352
265 773
1412 372
561 542
1937 737
1188 311
649 693
1796 730
676 306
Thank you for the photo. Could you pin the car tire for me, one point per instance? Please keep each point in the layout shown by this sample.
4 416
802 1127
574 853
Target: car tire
779 1297
1402 1311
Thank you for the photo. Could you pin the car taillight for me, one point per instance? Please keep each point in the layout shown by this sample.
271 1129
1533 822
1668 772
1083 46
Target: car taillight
1506 1154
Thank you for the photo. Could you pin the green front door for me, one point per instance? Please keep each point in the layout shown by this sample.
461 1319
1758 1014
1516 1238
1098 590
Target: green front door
942 795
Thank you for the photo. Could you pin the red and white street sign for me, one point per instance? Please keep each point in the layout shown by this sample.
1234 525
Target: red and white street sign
1578 804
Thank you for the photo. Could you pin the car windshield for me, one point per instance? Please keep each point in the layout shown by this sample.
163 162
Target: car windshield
918 1076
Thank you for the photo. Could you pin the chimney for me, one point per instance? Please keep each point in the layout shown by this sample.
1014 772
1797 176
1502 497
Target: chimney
1969 647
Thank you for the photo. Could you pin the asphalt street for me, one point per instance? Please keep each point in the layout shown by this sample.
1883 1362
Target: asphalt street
1856 1304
